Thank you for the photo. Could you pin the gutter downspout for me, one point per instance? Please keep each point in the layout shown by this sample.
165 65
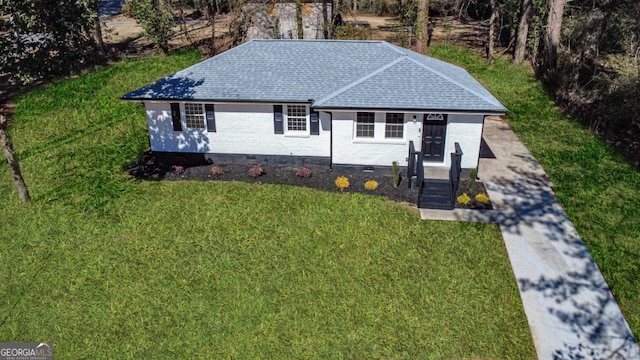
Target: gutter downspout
330 141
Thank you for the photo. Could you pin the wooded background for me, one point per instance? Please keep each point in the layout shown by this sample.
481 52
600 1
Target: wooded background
586 52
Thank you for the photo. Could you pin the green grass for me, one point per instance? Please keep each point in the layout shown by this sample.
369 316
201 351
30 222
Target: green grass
597 188
110 267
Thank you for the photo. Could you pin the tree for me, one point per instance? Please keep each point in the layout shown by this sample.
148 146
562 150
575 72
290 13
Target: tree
554 31
46 37
523 31
12 161
422 25
492 30
156 20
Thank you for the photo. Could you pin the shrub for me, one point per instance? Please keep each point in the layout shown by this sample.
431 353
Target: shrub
396 174
463 199
371 185
177 169
472 179
255 171
342 182
482 198
303 173
216 170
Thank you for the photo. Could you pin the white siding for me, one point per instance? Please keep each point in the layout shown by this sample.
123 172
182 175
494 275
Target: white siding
377 151
288 25
240 129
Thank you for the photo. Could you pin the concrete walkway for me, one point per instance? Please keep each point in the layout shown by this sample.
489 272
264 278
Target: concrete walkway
570 309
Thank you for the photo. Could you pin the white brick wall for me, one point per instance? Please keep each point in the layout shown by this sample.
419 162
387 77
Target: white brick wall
248 129
347 149
240 129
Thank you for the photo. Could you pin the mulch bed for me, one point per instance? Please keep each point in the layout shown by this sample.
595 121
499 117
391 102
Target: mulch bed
322 178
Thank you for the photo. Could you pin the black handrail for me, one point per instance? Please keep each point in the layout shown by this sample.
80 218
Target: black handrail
411 166
420 175
454 171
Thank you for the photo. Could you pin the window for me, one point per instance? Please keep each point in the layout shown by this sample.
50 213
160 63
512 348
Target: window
194 114
394 126
296 118
436 117
365 124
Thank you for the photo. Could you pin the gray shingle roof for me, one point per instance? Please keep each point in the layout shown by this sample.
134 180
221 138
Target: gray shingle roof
327 73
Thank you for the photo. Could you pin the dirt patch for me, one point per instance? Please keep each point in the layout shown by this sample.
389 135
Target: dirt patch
126 34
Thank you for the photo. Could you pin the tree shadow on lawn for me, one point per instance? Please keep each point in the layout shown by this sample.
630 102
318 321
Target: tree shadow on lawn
574 290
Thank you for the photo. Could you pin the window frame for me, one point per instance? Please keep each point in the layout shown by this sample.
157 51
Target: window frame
201 117
300 119
368 128
394 128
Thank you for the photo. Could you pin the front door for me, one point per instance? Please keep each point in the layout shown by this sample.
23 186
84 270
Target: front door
434 133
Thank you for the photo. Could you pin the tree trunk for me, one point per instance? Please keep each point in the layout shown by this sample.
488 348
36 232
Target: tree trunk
492 30
97 30
554 29
422 26
299 26
97 34
14 166
325 19
523 32
213 34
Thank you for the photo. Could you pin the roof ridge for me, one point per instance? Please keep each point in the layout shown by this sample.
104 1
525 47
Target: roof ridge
493 101
395 48
318 40
358 81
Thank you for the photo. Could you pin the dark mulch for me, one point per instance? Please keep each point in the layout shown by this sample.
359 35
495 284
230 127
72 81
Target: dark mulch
322 178
463 188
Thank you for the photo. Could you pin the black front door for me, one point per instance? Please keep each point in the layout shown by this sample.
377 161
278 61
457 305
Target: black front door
434 134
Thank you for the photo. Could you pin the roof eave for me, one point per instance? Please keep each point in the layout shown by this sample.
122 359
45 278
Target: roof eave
411 109
221 100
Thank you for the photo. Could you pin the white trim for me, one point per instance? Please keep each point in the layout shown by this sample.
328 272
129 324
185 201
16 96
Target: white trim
285 121
184 116
407 111
436 117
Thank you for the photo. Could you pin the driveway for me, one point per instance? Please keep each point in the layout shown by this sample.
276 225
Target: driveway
570 309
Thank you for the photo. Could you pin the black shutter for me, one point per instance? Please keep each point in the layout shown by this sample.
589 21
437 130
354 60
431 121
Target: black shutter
277 119
211 117
315 123
175 116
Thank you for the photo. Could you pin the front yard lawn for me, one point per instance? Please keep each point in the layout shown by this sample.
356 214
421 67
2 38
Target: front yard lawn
107 266
598 189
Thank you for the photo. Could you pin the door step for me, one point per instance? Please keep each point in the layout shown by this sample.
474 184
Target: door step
436 194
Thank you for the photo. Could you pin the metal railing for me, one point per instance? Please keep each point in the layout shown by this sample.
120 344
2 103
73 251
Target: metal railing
454 172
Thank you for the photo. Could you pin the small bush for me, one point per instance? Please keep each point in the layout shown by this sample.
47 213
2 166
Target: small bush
463 199
216 170
473 175
255 171
482 198
303 173
342 182
177 169
371 185
396 174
